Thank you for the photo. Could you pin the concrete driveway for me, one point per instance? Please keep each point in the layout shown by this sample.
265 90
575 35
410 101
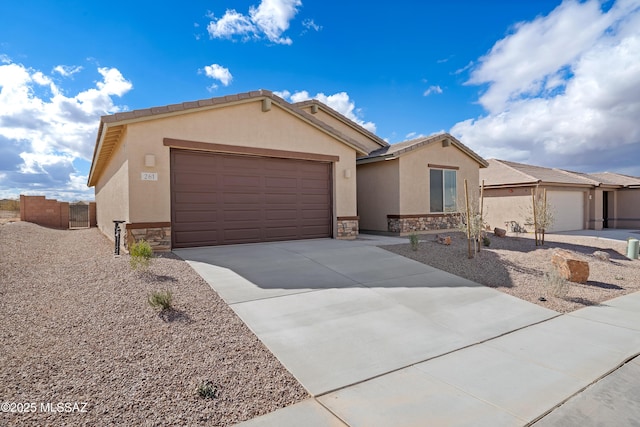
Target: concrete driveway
379 339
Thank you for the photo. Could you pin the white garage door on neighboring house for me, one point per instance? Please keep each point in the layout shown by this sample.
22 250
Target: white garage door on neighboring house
568 210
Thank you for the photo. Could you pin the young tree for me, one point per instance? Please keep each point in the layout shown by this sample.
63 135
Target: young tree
471 222
542 214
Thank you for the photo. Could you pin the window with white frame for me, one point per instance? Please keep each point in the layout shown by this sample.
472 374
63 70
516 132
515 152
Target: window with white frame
442 190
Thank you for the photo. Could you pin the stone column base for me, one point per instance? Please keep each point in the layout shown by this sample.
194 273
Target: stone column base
157 234
348 227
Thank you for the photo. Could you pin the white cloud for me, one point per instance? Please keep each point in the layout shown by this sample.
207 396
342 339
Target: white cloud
339 101
67 70
218 72
43 132
432 90
309 24
269 19
563 90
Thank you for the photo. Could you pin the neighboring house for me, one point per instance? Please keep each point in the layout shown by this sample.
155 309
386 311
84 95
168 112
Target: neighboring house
416 185
236 169
578 200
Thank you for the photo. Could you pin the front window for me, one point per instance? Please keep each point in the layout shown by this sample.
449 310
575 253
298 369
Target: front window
443 190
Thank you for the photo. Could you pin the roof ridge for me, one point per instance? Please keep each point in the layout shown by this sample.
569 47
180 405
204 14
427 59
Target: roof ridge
578 175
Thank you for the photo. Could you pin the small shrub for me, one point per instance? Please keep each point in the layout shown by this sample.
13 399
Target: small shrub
140 255
557 286
208 390
161 300
485 241
414 240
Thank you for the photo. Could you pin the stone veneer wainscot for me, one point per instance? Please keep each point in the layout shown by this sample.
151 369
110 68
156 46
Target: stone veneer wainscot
157 234
423 222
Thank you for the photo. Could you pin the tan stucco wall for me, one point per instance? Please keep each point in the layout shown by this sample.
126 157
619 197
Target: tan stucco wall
594 222
628 208
378 185
501 206
515 204
344 129
242 125
112 191
414 176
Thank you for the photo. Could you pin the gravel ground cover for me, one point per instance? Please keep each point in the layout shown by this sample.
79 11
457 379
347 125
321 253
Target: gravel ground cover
76 328
515 265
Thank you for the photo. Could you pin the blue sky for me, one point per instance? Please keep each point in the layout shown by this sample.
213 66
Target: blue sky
550 83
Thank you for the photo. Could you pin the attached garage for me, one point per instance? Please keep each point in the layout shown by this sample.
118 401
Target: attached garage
568 210
219 199
242 168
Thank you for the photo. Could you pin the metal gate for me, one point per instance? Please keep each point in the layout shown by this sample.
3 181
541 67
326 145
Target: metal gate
78 215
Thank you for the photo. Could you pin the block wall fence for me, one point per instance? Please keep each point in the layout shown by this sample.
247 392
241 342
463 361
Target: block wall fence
49 212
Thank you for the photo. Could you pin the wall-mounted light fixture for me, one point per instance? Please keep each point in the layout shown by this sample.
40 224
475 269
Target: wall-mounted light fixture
149 160
347 173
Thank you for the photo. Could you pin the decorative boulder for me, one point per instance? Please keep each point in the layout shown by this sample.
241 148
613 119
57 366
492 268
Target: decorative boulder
603 256
444 240
570 267
499 232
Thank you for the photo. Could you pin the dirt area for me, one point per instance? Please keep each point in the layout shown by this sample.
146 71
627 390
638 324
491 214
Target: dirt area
9 216
76 327
515 265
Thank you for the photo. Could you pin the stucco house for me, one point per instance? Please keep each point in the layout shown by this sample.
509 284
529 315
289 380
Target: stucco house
253 167
578 200
236 169
416 185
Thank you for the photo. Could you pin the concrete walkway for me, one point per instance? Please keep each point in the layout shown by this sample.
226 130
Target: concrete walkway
606 233
378 339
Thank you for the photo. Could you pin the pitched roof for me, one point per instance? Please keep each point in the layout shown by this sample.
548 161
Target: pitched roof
503 173
401 148
617 179
111 127
343 119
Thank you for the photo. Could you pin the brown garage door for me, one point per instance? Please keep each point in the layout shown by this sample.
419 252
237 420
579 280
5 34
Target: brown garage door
220 199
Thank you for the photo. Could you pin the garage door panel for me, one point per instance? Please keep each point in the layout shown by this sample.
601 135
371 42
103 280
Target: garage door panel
196 238
281 233
226 199
195 198
245 163
281 198
242 235
231 181
315 199
314 184
281 214
316 231
196 216
194 178
231 216
281 183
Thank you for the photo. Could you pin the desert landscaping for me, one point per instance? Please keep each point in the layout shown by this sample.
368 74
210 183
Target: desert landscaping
515 265
77 327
